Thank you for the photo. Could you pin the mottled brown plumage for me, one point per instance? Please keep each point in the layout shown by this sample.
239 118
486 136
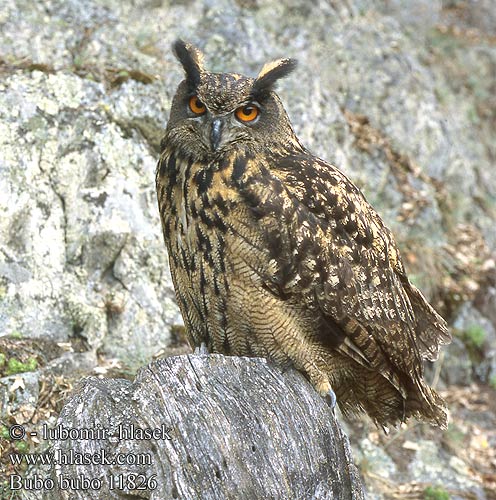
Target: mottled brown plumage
275 252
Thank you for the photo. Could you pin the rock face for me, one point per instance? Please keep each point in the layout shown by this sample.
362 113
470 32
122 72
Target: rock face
399 94
81 244
225 428
84 95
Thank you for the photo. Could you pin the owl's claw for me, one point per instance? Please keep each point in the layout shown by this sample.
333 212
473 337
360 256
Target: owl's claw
201 349
331 399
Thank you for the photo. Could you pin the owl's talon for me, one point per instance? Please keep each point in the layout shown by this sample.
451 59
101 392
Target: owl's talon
331 399
201 349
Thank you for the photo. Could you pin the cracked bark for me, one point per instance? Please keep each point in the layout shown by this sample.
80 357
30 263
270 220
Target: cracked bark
238 428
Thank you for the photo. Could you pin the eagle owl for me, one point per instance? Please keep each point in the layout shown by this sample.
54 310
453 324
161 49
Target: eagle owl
276 253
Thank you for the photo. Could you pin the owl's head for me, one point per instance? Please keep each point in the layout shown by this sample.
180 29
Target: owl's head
214 113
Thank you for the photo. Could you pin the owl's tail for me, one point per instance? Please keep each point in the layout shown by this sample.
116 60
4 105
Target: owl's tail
425 404
388 401
431 329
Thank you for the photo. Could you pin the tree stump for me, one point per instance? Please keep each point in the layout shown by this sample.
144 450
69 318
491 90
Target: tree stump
223 428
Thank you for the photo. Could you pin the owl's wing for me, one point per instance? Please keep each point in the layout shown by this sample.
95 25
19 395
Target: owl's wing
330 249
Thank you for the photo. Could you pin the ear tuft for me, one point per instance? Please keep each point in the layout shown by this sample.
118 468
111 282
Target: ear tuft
191 59
270 73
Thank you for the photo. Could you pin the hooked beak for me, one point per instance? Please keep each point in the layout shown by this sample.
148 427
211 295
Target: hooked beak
216 133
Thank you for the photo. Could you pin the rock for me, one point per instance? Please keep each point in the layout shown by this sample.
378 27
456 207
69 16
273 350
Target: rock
431 466
19 397
487 308
85 94
14 272
226 427
457 366
81 221
421 15
376 460
71 364
475 16
479 335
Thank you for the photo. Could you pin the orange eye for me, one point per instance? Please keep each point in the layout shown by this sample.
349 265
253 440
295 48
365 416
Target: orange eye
196 105
247 113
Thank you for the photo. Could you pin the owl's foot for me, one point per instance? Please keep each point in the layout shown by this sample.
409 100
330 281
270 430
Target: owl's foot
201 349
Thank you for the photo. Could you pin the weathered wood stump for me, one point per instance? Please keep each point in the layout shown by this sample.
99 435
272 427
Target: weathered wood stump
224 428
